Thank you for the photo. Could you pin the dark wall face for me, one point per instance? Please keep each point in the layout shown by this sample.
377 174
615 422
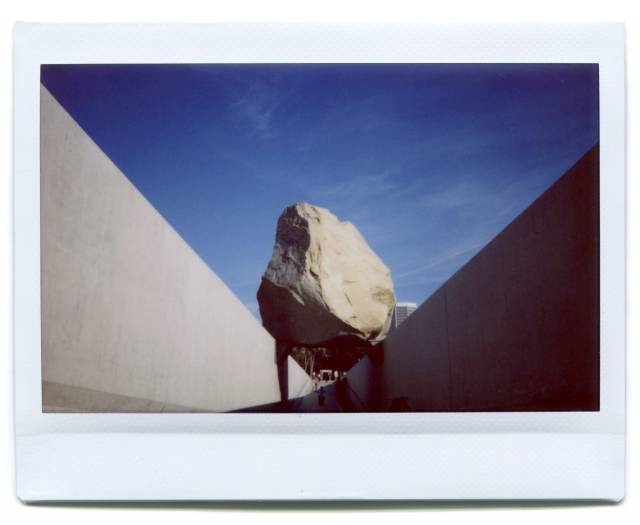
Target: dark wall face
517 328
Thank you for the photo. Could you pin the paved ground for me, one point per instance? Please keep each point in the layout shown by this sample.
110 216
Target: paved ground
310 403
325 399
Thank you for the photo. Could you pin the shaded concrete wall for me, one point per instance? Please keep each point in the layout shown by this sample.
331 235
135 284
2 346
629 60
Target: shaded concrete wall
517 328
132 318
364 381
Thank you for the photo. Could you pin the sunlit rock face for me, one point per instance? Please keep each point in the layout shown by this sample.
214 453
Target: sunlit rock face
324 284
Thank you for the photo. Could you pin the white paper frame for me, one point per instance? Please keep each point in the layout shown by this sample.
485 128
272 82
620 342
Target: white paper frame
556 455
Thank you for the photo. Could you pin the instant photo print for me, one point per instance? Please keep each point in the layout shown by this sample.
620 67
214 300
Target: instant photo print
240 248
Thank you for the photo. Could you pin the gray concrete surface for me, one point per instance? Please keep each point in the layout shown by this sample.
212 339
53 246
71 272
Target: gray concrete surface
516 328
299 381
132 318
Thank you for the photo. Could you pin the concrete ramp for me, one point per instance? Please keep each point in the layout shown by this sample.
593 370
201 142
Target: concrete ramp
132 318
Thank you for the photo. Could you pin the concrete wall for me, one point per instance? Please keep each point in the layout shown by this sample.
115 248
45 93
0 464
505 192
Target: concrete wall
364 382
517 327
299 381
132 318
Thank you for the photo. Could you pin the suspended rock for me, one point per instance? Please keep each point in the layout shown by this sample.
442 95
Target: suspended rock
324 284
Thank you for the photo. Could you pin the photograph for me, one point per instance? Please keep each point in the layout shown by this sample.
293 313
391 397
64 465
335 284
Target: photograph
320 237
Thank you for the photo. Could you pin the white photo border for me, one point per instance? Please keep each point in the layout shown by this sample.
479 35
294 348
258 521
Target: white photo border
516 455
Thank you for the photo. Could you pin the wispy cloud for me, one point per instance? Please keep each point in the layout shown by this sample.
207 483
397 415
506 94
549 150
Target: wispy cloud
474 211
458 196
257 115
445 258
355 189
258 106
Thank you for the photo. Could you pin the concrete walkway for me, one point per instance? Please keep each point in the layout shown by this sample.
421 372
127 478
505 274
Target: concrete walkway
308 403
338 397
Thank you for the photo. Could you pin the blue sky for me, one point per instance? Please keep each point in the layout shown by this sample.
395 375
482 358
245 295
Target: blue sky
429 161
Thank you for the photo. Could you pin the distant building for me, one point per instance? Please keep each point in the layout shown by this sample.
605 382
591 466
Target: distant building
400 313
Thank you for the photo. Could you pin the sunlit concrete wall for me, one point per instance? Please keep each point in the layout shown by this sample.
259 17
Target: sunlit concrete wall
132 318
299 381
517 328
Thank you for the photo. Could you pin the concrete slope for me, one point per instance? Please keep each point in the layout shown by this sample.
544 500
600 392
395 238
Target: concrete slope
517 328
132 318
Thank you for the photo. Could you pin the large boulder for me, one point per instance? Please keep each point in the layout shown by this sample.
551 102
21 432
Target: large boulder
324 285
